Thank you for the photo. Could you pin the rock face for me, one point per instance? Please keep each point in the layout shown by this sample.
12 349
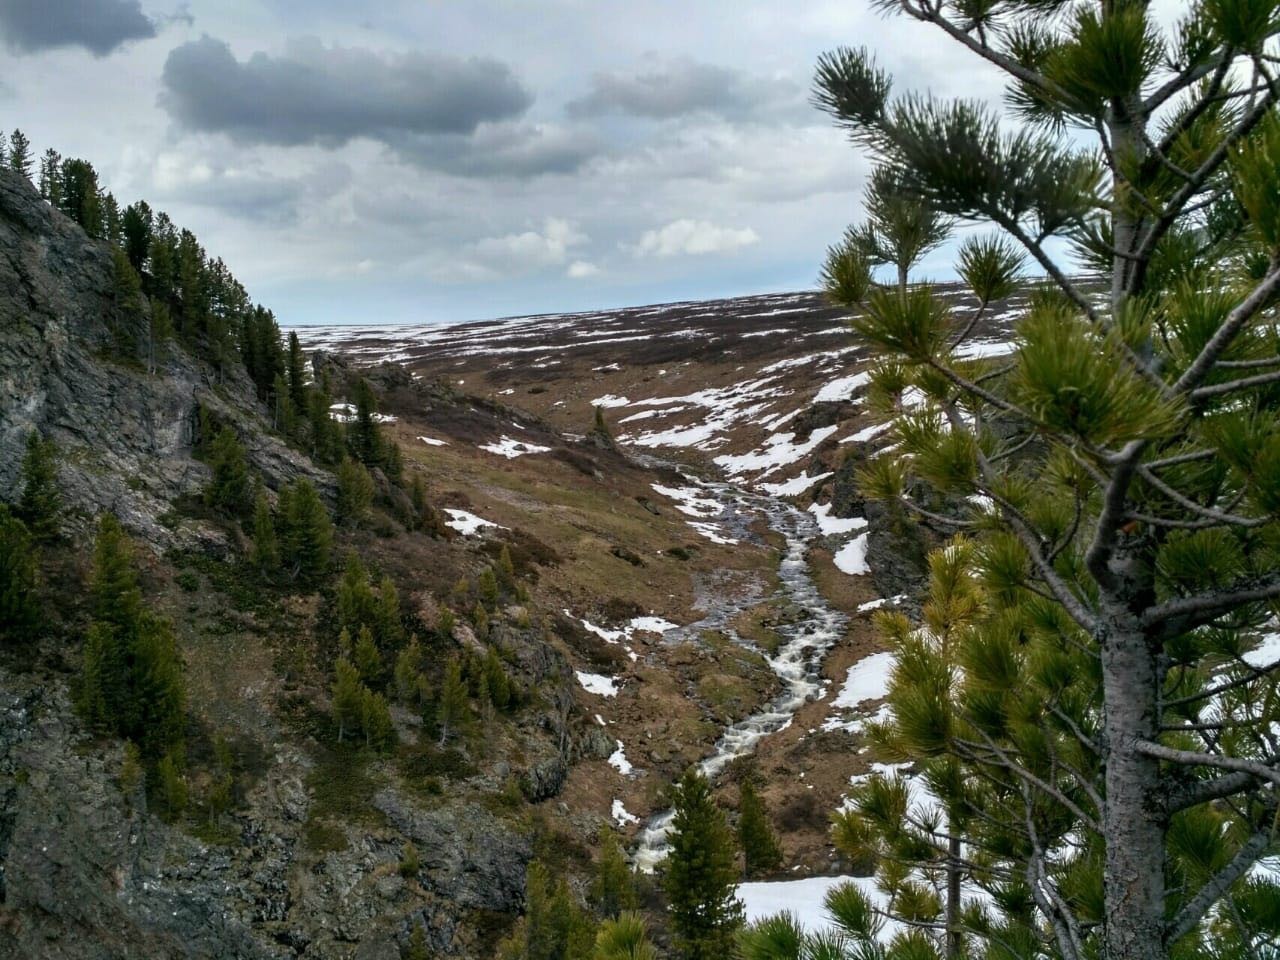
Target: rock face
86 872
126 435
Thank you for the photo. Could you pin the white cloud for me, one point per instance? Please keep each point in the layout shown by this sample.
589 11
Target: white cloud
581 269
687 237
532 249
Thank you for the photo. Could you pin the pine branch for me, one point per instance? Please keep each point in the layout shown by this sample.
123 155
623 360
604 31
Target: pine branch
1244 383
1107 529
1196 908
1189 504
1178 616
1195 758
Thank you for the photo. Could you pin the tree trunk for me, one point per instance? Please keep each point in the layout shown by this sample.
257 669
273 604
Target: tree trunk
1134 820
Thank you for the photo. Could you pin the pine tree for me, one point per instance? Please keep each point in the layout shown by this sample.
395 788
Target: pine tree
296 369
1092 721
487 586
553 926
367 658
387 616
408 670
135 225
266 548
760 851
51 177
613 888
702 873
452 708
126 321
20 153
356 603
308 536
375 719
355 493
624 938
364 436
348 698
131 680
19 608
40 505
506 571
229 488
418 949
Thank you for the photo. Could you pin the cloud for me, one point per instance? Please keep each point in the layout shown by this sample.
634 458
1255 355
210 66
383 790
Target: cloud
581 269
99 26
680 87
513 254
313 94
502 149
693 237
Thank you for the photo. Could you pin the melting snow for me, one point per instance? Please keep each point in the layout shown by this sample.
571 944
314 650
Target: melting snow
778 451
883 601
840 390
468 524
1265 653
509 448
852 557
869 433
610 401
795 486
346 413
618 760
597 683
620 815
830 525
803 899
433 442
868 679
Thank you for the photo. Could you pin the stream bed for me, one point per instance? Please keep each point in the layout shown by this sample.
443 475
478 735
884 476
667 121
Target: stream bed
798 661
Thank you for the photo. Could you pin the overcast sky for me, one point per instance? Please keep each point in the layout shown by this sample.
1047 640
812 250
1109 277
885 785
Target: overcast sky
432 160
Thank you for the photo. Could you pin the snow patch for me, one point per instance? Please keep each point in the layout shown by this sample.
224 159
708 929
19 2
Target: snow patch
468 524
509 448
597 683
852 557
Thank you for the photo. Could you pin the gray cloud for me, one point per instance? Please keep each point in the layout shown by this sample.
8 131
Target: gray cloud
518 150
314 94
99 26
681 87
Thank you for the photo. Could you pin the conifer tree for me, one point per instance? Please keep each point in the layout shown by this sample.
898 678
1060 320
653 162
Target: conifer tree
364 436
296 369
624 938
387 615
408 671
4 154
356 603
51 177
19 609
135 226
20 153
613 888
760 850
40 504
229 487
1102 704
487 586
452 707
375 719
553 926
308 535
355 493
348 698
367 658
702 873
266 548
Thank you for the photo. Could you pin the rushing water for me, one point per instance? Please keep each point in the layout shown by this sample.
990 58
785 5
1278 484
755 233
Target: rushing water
798 661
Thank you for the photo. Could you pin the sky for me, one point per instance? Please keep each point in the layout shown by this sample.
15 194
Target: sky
420 161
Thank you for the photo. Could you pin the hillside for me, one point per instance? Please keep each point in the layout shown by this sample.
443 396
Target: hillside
693 578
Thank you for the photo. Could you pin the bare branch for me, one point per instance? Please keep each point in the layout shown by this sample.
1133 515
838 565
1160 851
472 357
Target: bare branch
1187 612
1244 383
1195 908
1195 758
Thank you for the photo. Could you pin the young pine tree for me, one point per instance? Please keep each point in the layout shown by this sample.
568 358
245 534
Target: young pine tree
1100 723
40 504
363 435
229 488
760 851
308 537
702 874
613 888
452 709
348 698
625 937
553 927
266 547
368 660
355 493
19 606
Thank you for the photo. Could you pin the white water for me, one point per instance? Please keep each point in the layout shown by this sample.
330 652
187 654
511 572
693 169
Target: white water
798 661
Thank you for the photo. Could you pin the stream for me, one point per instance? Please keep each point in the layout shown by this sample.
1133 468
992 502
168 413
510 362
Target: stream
798 662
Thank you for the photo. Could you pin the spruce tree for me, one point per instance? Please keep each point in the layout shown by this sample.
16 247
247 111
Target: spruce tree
135 225
51 177
1101 705
20 153
19 607
363 435
296 369
760 851
702 873
40 504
